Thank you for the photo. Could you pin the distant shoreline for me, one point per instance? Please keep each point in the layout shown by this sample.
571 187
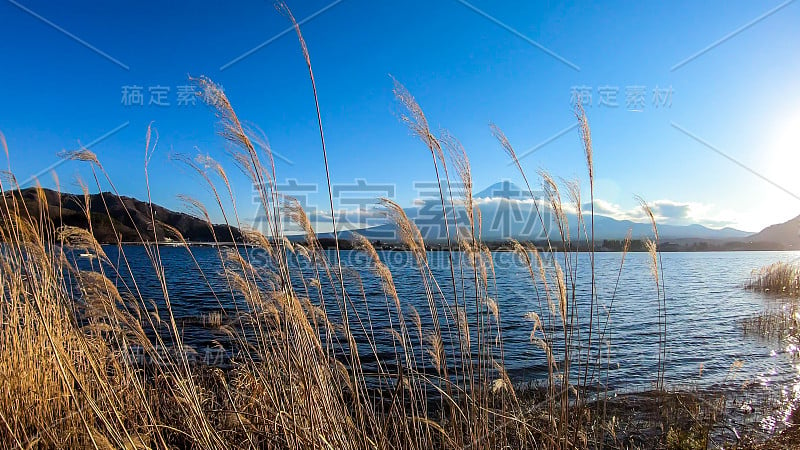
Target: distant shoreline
604 246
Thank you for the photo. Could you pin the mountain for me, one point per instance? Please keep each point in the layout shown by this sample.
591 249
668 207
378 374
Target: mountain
785 235
124 216
507 211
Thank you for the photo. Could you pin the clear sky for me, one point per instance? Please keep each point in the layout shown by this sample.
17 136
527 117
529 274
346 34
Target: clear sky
693 105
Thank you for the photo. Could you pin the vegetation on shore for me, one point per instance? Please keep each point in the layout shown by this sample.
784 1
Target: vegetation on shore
300 383
779 322
781 278
307 372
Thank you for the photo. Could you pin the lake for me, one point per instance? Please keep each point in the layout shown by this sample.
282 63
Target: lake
705 300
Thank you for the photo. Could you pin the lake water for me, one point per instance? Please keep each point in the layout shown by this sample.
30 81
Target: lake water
704 295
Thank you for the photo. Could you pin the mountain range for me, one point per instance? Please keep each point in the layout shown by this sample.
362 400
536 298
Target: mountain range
506 211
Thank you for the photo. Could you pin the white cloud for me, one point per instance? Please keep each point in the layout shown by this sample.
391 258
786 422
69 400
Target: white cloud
498 200
667 212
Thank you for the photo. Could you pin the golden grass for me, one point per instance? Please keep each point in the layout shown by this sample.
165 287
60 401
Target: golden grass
68 378
780 278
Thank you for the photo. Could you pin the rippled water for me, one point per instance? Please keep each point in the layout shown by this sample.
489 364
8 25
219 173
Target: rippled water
705 301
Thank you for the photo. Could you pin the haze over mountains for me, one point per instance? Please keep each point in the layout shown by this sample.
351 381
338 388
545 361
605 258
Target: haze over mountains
506 212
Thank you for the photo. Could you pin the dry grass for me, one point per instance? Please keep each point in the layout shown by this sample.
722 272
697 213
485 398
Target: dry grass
780 278
69 379
776 323
299 382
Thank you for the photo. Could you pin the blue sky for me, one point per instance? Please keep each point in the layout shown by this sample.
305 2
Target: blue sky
719 146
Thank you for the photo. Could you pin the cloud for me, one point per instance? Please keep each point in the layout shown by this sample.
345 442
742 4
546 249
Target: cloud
605 208
672 210
667 212
500 200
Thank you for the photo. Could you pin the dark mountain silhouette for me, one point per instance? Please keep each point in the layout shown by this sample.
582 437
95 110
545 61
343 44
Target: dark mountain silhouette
785 235
123 217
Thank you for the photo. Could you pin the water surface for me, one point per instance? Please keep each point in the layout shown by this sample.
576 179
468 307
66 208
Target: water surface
704 296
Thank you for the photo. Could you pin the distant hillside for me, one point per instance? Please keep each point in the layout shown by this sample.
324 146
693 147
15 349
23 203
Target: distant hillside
786 234
68 209
503 216
507 212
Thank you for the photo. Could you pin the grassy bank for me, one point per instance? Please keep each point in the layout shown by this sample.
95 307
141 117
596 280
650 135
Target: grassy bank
67 332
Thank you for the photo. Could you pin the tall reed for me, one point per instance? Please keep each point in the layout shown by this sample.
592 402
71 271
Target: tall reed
90 361
781 278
